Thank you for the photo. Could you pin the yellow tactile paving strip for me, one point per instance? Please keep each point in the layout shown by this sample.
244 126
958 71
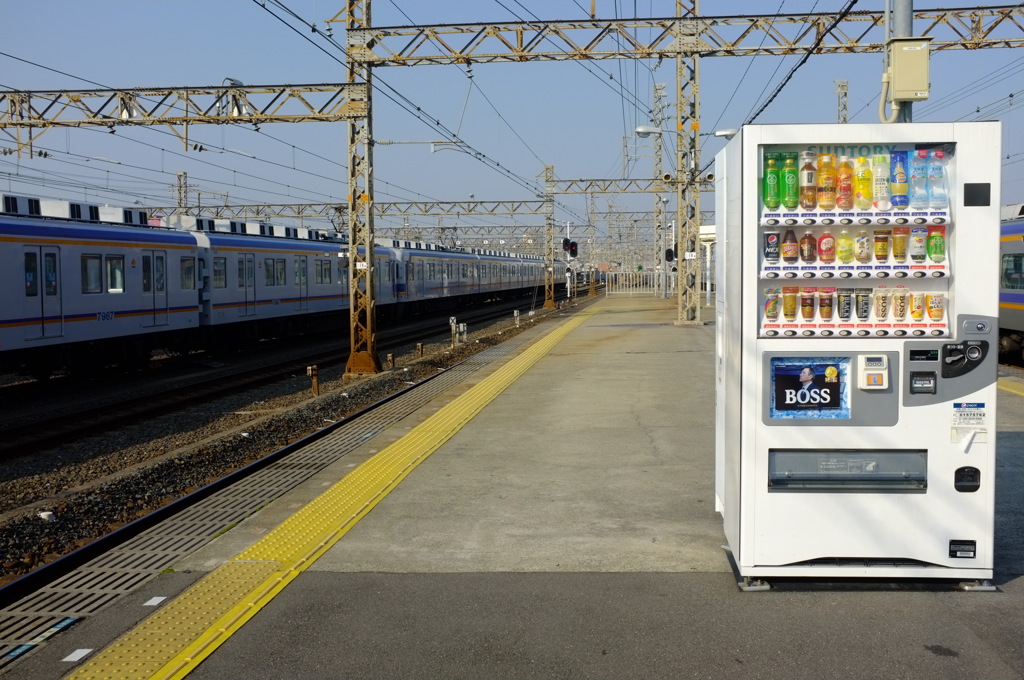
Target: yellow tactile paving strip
174 640
1011 386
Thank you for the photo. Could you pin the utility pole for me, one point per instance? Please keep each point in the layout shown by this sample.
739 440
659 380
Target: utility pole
903 27
688 167
842 88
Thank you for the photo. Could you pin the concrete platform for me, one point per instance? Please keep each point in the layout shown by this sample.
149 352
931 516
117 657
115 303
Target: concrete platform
568 530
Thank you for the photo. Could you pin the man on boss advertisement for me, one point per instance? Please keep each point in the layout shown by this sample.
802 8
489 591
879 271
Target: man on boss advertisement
809 387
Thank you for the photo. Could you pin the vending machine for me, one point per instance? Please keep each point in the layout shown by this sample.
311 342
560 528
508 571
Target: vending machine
857 343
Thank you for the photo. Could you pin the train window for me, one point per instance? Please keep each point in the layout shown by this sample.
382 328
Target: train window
94 213
76 211
158 273
1013 276
10 204
323 271
188 273
280 273
50 273
31 275
92 274
268 271
115 273
147 273
33 207
220 272
241 272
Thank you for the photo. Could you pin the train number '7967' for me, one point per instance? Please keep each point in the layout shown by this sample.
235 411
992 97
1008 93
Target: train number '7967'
104 316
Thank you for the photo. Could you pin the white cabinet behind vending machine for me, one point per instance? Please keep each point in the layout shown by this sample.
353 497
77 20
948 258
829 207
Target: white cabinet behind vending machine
856 399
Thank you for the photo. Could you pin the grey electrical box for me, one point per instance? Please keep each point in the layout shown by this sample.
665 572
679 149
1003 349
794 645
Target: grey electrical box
908 68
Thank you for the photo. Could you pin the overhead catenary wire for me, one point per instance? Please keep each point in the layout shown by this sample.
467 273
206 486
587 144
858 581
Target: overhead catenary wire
803 60
405 103
213 146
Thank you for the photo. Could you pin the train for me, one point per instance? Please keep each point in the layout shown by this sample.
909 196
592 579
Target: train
1011 283
94 286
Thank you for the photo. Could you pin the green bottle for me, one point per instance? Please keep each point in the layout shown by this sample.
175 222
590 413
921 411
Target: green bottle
790 182
771 190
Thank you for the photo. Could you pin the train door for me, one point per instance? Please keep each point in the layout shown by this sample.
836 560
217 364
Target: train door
302 281
154 285
399 279
247 282
42 303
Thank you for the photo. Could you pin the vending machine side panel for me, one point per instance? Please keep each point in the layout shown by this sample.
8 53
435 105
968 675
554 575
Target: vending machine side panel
729 333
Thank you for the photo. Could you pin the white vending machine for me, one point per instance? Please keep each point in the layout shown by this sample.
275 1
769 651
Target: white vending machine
857 343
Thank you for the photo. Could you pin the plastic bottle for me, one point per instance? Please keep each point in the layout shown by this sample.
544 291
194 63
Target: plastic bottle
918 243
826 181
808 248
863 186
918 190
937 192
844 247
898 179
790 176
827 248
936 245
790 248
863 247
772 193
808 181
844 184
880 188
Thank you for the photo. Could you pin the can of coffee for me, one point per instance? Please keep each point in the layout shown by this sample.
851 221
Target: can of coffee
863 303
882 303
844 303
771 303
771 246
789 294
826 298
899 304
808 298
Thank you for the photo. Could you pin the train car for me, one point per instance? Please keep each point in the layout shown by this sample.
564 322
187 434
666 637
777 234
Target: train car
87 293
434 277
97 293
1011 284
257 287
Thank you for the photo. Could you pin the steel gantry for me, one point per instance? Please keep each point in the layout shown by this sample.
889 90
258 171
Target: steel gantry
686 37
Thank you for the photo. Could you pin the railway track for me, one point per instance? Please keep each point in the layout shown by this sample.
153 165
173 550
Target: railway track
131 526
92 407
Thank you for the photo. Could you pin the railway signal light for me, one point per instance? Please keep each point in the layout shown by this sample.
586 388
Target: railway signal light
565 244
572 249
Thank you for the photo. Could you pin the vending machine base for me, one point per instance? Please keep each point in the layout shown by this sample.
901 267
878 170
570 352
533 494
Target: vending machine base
860 572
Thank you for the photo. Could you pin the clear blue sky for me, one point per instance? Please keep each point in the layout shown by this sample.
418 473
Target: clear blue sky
572 116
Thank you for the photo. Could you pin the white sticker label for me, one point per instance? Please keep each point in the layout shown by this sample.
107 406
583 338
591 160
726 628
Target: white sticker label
968 414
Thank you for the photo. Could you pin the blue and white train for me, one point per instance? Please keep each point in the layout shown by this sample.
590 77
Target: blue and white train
1011 283
90 286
